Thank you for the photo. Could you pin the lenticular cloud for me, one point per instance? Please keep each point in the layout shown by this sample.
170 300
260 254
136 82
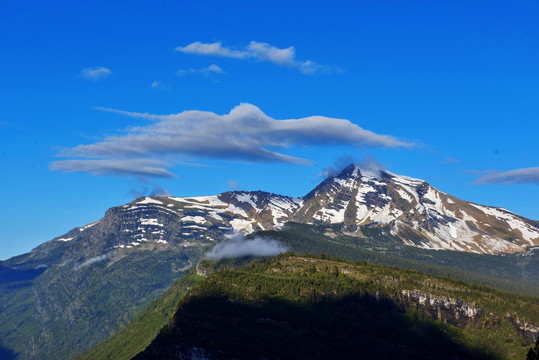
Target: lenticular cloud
244 134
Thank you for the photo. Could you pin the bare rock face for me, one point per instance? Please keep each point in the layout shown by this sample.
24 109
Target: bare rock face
461 314
453 311
528 331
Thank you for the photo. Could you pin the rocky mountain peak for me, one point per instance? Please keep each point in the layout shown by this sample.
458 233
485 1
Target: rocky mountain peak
416 212
407 208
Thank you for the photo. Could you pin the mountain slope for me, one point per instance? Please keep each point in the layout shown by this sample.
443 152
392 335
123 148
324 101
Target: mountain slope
417 213
139 333
69 293
313 307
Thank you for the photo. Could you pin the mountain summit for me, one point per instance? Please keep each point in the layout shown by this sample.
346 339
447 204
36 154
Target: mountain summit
407 208
416 212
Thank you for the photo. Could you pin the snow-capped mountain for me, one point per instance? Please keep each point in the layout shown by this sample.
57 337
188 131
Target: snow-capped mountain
411 209
83 285
417 213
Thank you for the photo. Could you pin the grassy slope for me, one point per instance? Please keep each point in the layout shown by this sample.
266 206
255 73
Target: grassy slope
302 306
139 333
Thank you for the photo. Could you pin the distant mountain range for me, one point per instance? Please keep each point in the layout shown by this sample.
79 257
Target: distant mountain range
75 290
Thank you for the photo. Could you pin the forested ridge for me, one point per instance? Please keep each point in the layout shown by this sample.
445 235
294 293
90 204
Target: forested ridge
305 306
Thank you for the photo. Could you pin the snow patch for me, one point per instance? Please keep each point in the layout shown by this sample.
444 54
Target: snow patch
241 225
87 226
196 219
65 239
149 200
246 198
403 194
153 222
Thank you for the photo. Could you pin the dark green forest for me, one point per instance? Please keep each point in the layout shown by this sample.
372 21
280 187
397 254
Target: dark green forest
320 307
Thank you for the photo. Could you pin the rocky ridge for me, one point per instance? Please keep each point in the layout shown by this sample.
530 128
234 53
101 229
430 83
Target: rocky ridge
414 211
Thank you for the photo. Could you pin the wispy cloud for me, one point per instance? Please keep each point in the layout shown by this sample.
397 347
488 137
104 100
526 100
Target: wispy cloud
258 51
367 164
516 176
159 85
146 187
90 262
95 73
450 160
136 167
233 185
244 134
206 71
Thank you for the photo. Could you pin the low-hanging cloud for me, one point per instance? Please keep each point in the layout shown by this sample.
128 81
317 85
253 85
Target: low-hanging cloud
244 134
90 262
516 176
146 187
259 51
240 246
367 164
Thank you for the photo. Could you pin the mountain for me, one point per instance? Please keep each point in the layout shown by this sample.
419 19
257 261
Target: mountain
72 292
416 212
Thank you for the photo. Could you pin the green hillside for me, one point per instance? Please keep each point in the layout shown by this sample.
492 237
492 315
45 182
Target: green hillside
139 333
318 307
64 312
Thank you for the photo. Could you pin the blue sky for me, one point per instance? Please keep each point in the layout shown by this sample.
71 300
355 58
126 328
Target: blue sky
443 91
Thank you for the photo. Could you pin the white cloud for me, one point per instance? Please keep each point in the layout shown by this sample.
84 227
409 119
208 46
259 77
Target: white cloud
211 49
244 134
259 51
214 68
95 73
240 246
159 85
206 71
516 176
90 262
138 167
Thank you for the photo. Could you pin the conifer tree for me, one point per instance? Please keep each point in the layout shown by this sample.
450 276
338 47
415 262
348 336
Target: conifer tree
533 354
